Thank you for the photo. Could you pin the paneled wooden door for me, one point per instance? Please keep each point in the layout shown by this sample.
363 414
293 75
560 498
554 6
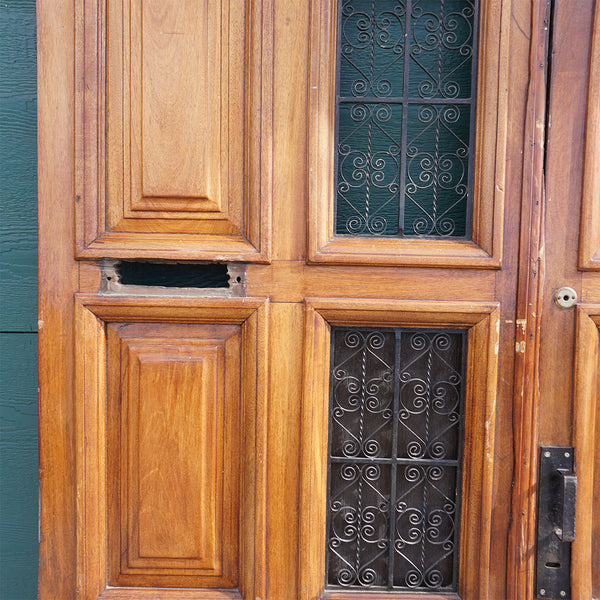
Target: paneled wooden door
187 436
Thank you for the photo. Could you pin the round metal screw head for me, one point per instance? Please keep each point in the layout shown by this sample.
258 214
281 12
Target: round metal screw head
567 454
547 454
542 592
563 593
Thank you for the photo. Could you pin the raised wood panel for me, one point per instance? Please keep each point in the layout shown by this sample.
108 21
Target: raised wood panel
585 571
173 394
165 409
482 322
485 249
589 244
183 92
175 104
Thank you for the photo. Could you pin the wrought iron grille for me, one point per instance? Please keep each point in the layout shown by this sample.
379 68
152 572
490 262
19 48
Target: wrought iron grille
395 454
405 115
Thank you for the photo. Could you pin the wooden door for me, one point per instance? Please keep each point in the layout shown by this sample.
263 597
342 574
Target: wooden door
185 433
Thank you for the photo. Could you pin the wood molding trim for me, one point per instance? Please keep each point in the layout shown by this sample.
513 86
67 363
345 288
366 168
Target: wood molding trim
526 400
586 441
485 249
482 322
96 477
139 194
589 250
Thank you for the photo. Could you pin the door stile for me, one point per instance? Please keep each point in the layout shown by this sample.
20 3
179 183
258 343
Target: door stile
526 401
57 280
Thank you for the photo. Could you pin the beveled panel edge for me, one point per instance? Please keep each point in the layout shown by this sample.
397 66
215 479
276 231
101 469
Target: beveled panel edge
154 594
485 250
386 596
482 320
161 309
225 241
91 314
589 241
586 433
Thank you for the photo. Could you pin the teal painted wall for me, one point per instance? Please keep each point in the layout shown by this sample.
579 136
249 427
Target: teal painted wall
18 303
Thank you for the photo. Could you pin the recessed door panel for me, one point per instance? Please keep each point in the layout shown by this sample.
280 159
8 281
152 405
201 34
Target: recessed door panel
167 406
589 243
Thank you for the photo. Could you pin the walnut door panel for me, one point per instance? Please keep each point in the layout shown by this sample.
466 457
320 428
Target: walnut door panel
165 420
174 129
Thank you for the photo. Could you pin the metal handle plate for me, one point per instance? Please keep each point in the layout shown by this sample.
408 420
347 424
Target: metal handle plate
556 522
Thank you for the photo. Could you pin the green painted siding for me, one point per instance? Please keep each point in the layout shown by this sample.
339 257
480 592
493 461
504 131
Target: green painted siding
18 303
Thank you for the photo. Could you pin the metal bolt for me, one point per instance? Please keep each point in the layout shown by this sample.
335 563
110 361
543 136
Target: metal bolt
567 454
547 454
542 592
563 593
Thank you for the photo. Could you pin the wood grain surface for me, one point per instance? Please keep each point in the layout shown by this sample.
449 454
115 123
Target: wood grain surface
100 420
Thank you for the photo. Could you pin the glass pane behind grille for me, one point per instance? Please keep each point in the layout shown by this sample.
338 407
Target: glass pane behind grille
405 118
395 450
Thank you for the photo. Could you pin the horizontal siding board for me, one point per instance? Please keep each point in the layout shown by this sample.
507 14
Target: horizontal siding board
18 194
18 303
18 466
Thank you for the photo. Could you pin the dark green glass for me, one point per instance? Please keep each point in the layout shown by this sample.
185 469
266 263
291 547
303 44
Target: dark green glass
368 168
441 49
372 51
436 180
405 114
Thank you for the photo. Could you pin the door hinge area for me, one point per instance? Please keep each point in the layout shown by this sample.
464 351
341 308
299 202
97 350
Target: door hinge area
557 494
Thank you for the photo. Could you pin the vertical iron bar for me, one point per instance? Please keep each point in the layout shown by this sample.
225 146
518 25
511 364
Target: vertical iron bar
338 62
403 132
394 456
459 461
329 443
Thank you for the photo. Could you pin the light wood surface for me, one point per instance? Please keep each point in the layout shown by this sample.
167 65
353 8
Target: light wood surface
183 91
224 401
164 418
589 243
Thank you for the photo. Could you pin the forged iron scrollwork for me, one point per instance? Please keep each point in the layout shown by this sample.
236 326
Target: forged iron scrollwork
437 160
372 48
441 49
362 388
405 112
394 458
368 168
